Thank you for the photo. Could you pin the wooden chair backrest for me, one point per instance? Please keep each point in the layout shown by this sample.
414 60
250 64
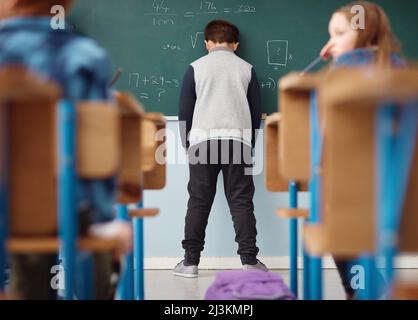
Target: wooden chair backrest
274 181
29 111
98 139
348 103
294 96
155 179
132 113
139 141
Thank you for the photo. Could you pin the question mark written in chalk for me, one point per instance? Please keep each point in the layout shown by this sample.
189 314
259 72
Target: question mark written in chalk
160 93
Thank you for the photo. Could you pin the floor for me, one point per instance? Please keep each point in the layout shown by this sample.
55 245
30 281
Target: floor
163 285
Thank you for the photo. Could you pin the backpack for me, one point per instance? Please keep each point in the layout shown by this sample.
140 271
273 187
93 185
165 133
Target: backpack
248 285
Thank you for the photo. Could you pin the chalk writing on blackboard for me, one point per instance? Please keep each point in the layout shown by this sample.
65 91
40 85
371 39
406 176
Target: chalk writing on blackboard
161 14
134 78
151 86
194 39
211 8
189 14
245 8
270 84
144 95
160 7
160 93
162 22
277 52
207 5
171 47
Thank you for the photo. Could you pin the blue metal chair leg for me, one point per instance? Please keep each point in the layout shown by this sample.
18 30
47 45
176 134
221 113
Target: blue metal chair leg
367 287
315 263
125 290
85 284
139 256
315 278
68 222
125 287
394 158
293 199
385 141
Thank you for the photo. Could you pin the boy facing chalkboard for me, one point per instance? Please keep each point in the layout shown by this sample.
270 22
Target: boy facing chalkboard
219 114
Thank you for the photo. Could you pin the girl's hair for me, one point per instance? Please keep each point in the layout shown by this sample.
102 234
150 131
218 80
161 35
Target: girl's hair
377 32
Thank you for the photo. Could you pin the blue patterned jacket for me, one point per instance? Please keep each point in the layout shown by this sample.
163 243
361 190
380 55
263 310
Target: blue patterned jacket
82 70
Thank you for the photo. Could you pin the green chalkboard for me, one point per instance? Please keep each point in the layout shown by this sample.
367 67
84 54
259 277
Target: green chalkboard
153 41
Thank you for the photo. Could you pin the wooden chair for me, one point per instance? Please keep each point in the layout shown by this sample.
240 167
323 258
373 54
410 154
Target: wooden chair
154 179
276 183
273 181
287 156
130 177
349 102
282 154
143 136
294 143
30 170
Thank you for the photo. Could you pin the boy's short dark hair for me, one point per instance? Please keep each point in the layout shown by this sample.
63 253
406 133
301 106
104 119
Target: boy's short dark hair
220 31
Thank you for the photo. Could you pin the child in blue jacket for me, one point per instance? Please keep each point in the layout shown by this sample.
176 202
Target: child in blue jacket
350 46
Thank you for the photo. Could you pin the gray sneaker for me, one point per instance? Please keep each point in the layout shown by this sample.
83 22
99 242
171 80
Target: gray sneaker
182 270
258 266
